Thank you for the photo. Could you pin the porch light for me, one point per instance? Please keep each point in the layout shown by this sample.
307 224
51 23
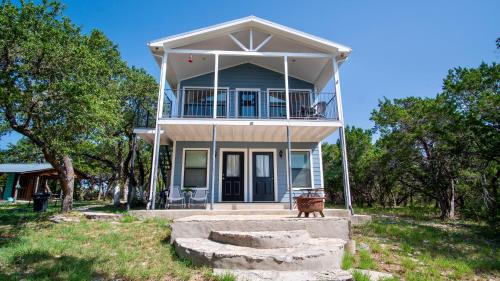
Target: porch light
190 59
281 153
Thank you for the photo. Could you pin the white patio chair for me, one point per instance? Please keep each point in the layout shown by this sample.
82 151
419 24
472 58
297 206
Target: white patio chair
199 197
175 195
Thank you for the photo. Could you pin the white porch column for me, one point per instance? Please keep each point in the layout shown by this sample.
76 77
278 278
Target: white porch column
289 164
156 144
216 83
212 173
345 167
287 96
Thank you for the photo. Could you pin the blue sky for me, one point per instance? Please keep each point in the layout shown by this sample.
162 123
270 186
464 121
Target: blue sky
400 48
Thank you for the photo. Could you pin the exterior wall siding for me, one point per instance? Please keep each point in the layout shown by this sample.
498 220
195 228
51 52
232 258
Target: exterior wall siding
283 193
246 76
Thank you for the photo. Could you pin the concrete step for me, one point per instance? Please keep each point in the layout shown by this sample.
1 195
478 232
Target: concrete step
274 275
316 254
201 226
261 239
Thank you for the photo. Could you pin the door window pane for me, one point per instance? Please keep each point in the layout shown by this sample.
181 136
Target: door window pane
301 169
233 165
195 168
262 166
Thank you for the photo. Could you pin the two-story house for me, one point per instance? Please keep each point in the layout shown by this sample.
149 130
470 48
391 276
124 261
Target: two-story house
275 102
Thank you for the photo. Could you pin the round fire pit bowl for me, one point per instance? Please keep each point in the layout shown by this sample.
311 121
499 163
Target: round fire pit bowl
309 205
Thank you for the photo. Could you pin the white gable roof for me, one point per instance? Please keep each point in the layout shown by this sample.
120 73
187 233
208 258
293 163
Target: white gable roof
250 21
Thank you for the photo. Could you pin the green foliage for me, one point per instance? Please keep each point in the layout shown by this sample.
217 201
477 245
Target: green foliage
365 260
22 152
360 276
347 261
70 94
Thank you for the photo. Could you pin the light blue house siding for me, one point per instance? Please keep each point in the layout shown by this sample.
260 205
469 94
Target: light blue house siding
280 163
246 76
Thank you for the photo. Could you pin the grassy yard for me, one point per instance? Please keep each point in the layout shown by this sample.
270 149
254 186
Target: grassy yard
413 245
409 243
33 248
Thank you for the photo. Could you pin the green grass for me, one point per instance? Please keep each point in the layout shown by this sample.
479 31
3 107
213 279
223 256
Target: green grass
32 248
411 244
359 276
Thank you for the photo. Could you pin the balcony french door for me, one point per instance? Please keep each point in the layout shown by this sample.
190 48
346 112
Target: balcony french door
248 103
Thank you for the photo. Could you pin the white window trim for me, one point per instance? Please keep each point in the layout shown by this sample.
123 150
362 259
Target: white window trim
208 88
245 171
275 173
237 101
312 168
289 90
184 162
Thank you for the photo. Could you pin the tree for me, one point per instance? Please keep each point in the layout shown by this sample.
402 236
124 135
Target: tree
474 94
360 152
57 86
22 152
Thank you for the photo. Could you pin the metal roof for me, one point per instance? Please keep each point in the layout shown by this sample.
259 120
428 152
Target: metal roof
24 168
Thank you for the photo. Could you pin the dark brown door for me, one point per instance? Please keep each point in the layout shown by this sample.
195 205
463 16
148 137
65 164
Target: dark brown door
233 176
263 176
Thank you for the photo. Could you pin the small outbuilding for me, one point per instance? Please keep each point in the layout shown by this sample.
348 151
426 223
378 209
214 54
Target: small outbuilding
20 181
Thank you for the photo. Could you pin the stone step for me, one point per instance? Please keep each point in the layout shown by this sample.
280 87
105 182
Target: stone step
316 254
202 226
261 239
274 275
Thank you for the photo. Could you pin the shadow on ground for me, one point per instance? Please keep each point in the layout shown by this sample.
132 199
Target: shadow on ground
40 265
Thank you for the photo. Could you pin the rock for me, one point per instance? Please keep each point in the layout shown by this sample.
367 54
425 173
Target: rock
374 275
351 246
363 246
261 239
62 218
101 216
316 254
274 275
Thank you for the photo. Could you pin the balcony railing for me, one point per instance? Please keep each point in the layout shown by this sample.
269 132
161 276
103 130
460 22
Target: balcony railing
195 103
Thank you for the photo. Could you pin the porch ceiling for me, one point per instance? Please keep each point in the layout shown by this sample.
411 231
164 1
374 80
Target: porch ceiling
241 131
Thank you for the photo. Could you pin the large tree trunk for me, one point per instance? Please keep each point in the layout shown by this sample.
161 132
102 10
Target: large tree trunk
67 180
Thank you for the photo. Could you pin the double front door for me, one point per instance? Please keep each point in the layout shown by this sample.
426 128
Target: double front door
233 176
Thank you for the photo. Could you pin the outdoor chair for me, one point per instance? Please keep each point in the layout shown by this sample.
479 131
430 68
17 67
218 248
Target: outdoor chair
199 197
320 109
175 195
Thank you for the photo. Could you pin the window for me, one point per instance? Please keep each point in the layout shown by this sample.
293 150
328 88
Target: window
277 104
199 102
301 169
195 168
300 103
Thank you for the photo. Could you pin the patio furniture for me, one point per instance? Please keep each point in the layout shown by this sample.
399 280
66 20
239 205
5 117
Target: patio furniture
199 197
175 195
